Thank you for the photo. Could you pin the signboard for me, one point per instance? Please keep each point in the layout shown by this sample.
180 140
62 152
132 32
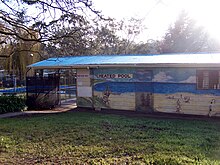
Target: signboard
82 76
112 76
84 91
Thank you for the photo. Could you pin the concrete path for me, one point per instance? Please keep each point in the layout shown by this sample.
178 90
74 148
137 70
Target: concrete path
65 106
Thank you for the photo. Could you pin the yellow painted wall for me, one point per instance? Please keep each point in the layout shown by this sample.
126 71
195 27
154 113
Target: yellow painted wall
197 105
125 101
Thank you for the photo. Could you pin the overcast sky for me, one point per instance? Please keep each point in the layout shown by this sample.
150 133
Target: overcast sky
159 14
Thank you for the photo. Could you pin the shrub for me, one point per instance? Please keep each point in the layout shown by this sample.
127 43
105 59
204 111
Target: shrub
11 104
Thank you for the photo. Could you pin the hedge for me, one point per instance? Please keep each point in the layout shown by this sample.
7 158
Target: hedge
11 104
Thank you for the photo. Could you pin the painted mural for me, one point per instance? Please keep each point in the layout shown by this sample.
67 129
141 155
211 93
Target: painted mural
144 101
121 88
171 90
175 91
84 102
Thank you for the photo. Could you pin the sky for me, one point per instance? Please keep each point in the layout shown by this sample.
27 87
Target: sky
158 15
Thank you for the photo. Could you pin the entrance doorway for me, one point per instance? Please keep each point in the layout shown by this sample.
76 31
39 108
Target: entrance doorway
50 88
67 87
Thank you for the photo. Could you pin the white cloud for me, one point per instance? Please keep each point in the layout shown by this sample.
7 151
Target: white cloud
162 77
191 79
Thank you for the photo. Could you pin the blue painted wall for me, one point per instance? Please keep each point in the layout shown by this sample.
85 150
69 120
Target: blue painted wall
163 81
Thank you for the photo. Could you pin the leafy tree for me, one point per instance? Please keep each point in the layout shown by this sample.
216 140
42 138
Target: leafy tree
102 37
150 47
186 36
76 43
18 60
95 37
17 54
105 39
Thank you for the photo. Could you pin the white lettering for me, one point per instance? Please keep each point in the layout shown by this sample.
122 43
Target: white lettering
112 76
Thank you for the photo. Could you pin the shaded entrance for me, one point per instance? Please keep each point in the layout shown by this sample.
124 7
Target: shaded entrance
42 92
50 88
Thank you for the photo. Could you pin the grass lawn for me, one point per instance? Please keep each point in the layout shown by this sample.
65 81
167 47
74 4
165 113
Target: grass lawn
95 138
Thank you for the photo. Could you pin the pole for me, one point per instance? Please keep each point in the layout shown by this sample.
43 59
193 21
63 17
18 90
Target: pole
14 77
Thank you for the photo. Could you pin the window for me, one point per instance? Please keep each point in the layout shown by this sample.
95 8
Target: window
208 79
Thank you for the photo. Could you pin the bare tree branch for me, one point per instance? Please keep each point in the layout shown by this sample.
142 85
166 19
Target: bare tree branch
18 21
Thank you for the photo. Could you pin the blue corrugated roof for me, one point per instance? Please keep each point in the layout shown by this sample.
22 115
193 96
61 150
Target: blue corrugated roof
83 61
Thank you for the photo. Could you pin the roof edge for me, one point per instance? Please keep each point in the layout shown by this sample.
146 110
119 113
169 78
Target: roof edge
156 65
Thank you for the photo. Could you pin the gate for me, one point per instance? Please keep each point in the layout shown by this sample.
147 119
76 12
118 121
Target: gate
42 92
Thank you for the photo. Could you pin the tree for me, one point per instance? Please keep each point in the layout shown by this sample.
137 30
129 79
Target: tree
28 25
18 60
105 39
102 37
43 17
77 43
17 54
150 47
95 37
185 36
130 30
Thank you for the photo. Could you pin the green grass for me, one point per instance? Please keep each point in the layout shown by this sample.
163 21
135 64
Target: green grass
94 138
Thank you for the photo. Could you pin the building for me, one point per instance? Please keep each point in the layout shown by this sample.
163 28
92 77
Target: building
171 83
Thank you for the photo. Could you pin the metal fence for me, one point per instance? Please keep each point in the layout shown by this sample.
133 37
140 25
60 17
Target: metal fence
42 92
